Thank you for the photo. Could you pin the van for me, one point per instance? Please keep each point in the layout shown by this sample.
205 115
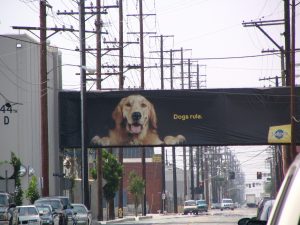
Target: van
190 206
227 203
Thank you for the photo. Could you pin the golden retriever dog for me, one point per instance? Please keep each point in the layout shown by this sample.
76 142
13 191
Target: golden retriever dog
135 124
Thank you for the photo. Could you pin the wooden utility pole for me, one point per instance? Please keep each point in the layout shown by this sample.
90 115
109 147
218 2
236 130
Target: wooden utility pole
44 89
142 44
286 154
184 174
98 24
163 181
174 180
121 87
192 172
171 68
44 99
142 87
293 150
83 106
182 71
162 62
197 167
206 179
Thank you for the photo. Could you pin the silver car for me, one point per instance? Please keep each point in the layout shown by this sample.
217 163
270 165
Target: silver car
27 214
82 214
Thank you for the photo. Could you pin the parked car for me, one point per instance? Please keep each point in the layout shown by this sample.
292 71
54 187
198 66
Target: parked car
190 206
227 203
202 205
27 214
67 206
47 214
215 205
82 214
57 206
6 208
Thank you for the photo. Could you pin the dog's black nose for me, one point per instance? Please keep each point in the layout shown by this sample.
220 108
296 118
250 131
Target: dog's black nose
136 116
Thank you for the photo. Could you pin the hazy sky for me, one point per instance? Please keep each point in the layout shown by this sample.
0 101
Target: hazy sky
207 29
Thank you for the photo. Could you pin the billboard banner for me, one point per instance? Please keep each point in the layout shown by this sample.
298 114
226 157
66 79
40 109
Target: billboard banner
240 116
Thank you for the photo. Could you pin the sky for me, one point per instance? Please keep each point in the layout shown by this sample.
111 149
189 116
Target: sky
209 31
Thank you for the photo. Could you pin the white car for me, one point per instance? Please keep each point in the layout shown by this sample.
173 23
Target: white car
190 206
227 203
27 214
82 214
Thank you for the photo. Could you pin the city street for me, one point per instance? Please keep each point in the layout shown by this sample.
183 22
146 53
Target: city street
213 217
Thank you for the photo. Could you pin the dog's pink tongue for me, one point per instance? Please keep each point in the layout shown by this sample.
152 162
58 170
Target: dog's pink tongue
135 129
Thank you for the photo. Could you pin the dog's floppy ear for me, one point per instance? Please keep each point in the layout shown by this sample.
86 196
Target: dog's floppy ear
152 117
117 113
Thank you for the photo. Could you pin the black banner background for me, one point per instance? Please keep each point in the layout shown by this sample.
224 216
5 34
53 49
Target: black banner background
240 116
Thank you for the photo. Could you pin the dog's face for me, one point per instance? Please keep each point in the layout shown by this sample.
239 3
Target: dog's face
135 113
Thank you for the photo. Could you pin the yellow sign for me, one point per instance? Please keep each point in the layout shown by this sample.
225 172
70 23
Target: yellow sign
280 134
156 158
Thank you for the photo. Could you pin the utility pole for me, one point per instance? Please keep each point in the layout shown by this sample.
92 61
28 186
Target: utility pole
184 174
288 152
182 71
44 101
98 25
171 68
43 88
83 105
293 151
163 188
174 180
121 86
206 183
142 44
189 73
197 167
192 172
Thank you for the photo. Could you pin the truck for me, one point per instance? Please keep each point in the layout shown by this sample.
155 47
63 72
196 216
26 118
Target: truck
6 207
251 200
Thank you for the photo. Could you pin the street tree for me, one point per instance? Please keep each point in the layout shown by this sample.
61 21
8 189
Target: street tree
32 193
136 187
112 173
16 163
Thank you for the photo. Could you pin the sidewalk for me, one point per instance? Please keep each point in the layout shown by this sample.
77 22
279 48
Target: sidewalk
133 218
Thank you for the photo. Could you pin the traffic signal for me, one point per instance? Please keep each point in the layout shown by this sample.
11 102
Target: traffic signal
259 175
231 175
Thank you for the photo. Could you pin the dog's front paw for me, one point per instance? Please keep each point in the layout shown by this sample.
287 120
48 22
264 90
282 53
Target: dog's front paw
98 141
171 140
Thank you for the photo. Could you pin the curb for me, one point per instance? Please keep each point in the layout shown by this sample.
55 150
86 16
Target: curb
124 220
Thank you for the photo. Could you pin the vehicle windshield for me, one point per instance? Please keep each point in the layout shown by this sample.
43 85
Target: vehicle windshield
28 211
201 202
44 210
3 200
65 201
79 209
55 204
190 203
227 201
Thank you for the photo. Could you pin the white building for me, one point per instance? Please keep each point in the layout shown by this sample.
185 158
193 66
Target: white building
20 124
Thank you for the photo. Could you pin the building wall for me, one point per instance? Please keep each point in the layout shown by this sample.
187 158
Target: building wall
153 184
20 85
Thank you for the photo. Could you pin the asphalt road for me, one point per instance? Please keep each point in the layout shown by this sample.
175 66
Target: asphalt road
213 217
